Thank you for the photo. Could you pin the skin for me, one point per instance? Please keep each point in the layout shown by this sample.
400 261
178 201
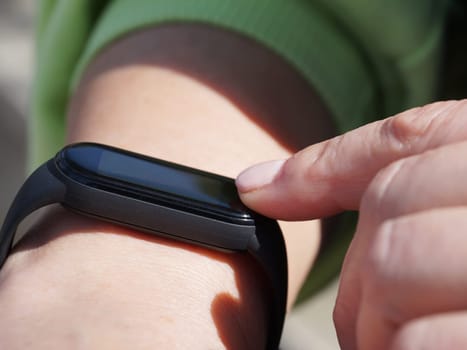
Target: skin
166 93
403 283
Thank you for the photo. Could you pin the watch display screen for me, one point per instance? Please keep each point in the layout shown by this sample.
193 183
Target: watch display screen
163 181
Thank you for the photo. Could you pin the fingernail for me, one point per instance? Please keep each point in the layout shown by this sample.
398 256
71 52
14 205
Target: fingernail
259 175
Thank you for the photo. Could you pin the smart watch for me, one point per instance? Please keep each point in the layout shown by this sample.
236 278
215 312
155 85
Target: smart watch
159 198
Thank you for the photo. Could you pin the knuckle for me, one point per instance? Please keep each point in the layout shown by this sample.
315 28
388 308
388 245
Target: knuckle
423 126
388 255
406 135
402 131
376 270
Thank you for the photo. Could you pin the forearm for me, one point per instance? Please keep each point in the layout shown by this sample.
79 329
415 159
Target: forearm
167 93
205 98
93 285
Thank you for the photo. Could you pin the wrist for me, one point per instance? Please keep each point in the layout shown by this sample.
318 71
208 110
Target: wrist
102 283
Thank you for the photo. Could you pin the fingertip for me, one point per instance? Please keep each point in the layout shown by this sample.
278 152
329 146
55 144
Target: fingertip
258 176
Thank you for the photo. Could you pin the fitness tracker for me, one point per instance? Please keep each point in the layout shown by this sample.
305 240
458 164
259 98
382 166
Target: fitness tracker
159 198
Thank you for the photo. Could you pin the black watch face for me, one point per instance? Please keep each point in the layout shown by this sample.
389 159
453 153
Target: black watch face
154 180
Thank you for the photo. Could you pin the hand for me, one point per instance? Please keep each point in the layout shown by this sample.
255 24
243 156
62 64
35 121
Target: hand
404 283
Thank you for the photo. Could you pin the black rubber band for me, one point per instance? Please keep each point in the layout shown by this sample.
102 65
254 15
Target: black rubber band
272 257
40 189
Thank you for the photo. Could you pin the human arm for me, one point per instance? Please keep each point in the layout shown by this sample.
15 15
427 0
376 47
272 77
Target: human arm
155 92
403 283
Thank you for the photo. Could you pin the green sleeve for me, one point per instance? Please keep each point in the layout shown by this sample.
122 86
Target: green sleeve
297 30
63 29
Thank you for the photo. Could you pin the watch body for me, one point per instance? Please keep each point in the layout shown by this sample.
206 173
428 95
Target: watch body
159 198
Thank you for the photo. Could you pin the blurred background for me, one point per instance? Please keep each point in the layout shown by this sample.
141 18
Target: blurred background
309 327
16 61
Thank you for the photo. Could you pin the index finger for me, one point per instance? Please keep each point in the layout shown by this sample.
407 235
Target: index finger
332 176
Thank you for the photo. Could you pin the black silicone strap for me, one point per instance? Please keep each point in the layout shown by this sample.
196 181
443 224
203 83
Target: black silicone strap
272 257
40 189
